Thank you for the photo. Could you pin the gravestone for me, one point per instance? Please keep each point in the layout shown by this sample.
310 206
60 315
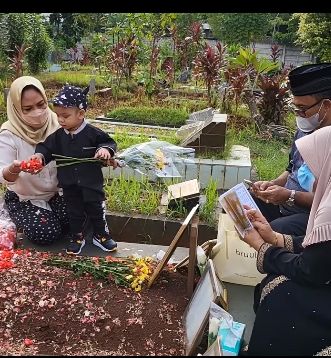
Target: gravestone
210 137
55 67
203 115
105 92
92 89
184 77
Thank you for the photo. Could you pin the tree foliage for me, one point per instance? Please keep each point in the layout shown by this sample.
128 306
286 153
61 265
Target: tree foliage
240 28
69 28
314 34
284 29
40 44
24 31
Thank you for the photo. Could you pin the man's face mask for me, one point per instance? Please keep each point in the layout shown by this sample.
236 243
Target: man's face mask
309 124
306 178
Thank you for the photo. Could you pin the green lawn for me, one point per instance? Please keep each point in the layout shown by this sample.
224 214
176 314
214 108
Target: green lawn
269 157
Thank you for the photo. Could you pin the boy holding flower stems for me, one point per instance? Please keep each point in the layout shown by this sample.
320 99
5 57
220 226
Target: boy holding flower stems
80 151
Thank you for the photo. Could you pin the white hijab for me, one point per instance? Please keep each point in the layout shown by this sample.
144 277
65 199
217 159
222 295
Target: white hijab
315 149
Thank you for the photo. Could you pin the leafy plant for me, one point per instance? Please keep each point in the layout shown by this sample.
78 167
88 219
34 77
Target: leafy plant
237 79
275 53
168 68
314 34
17 61
40 44
274 97
208 210
207 66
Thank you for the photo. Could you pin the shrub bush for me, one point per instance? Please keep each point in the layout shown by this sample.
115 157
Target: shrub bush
161 116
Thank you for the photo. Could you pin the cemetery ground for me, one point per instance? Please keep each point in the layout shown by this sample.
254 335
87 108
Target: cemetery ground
47 310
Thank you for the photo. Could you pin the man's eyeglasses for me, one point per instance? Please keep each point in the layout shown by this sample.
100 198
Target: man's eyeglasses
302 112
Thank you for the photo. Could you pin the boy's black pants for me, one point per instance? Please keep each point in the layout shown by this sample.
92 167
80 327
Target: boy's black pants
80 206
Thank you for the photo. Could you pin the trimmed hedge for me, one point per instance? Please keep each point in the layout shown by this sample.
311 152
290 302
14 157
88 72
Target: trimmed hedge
160 116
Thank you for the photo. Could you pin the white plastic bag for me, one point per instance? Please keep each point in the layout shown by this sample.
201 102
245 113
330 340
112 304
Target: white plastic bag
155 157
234 260
7 228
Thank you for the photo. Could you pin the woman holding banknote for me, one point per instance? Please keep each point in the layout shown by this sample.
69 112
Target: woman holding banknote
292 303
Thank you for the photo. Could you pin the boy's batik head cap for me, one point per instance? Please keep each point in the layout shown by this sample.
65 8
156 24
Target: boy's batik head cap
71 96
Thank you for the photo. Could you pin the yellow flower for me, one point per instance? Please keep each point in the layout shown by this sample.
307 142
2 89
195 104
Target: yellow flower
138 288
160 159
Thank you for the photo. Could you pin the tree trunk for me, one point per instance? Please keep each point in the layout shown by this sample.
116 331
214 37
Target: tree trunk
249 98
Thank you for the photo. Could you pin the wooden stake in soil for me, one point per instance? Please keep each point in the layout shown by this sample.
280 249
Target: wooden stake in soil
172 246
192 254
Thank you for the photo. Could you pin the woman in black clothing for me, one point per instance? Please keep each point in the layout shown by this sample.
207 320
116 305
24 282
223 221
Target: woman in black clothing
292 304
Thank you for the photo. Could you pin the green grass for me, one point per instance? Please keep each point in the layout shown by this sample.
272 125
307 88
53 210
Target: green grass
161 116
269 157
125 139
3 117
133 196
77 78
142 197
187 104
208 210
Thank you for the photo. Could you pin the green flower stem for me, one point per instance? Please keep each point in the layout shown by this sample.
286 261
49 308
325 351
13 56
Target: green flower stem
104 269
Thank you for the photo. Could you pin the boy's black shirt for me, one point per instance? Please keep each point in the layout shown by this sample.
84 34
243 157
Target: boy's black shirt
81 145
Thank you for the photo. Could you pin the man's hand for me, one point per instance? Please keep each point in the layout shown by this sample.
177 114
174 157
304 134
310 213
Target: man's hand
261 185
274 194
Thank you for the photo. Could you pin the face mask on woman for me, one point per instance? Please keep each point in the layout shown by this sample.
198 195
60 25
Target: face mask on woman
36 118
309 124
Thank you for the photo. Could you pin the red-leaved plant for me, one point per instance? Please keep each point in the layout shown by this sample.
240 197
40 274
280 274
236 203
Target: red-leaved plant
121 60
207 66
168 68
274 97
237 79
275 53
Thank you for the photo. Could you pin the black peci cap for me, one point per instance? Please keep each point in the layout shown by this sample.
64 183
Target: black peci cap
310 79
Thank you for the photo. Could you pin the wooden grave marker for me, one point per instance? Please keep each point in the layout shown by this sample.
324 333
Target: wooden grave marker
172 246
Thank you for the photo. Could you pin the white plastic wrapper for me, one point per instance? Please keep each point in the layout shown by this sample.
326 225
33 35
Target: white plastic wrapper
7 228
156 157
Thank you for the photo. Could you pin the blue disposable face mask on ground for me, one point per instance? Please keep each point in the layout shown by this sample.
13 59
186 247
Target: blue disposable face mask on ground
306 178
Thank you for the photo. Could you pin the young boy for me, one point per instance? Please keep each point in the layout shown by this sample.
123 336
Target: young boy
82 183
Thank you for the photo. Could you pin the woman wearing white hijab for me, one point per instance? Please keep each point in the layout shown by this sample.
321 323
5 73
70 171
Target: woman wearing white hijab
32 200
292 304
